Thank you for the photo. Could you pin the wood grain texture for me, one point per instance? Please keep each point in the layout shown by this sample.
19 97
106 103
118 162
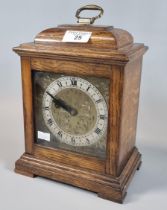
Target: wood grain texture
72 52
129 111
27 103
71 67
110 54
116 92
102 37
67 157
108 187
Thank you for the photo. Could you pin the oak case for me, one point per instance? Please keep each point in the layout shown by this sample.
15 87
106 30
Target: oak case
109 54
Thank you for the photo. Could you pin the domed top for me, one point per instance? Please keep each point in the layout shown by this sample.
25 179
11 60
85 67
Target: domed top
106 37
106 45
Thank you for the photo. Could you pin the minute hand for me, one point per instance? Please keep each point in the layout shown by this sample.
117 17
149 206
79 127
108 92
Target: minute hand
60 103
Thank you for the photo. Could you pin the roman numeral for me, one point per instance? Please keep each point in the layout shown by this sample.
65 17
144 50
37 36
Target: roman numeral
46 108
88 141
50 122
73 140
102 117
98 101
60 134
59 84
88 88
97 130
73 82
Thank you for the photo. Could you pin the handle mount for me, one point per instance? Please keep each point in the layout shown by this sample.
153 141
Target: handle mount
88 20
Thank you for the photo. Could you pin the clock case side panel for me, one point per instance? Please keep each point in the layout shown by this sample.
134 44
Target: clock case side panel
129 111
27 111
124 100
116 91
27 103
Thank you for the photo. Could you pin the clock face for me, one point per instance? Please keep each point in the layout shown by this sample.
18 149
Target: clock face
71 112
74 111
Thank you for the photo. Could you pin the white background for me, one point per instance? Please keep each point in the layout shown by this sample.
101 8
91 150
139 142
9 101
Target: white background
20 21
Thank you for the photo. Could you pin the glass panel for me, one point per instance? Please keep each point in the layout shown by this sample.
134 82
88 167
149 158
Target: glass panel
71 112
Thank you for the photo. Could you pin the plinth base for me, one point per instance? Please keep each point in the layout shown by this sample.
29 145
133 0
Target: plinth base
107 186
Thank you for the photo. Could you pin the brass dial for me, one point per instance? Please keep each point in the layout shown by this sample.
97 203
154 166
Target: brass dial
74 111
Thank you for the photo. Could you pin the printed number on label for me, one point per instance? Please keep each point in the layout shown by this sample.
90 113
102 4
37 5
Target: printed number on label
77 36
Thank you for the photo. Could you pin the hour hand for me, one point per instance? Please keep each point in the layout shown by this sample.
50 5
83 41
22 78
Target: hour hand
61 103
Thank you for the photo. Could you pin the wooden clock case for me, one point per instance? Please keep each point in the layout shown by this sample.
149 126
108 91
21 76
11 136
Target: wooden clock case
110 53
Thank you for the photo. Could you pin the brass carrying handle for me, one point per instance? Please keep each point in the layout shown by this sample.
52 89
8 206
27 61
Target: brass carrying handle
89 20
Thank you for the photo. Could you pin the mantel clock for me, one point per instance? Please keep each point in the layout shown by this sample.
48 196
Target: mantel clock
80 97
